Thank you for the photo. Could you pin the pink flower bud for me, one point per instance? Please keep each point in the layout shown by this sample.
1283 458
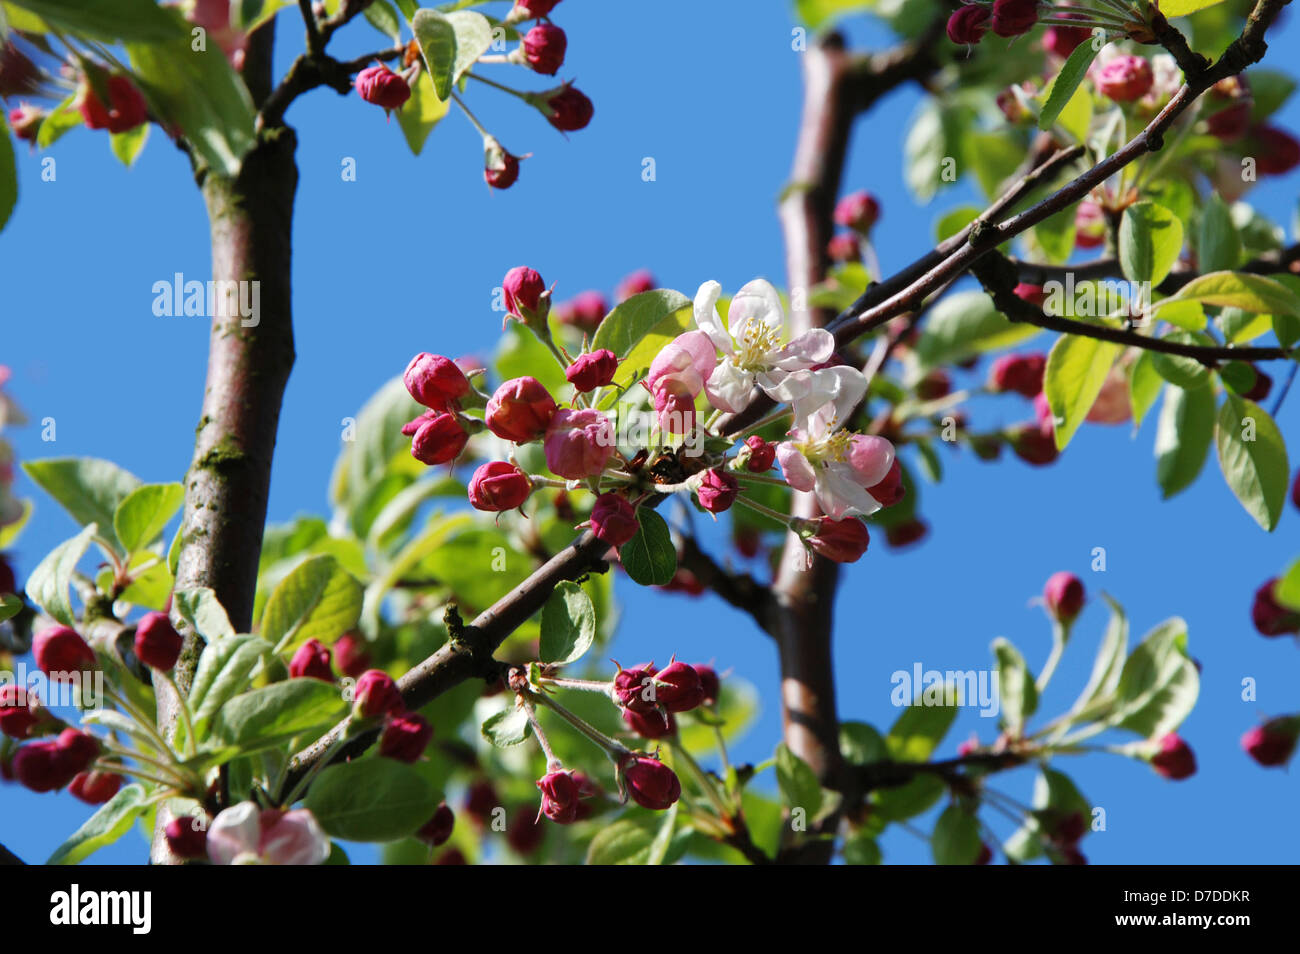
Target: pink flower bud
678 687
1230 123
47 766
717 490
352 655
843 248
843 541
890 490
613 520
376 695
1274 742
1063 40
709 682
1022 373
243 833
635 284
525 833
650 725
1033 443
435 381
439 440
520 410
568 109
585 311
500 168
968 24
1125 78
25 120
1064 596
578 443
405 737
906 533
651 784
497 486
593 370
760 455
1089 225
1270 617
438 829
157 643
559 797
20 711
382 87
635 689
1034 294
532 9
1014 17
311 661
1175 759
872 459
934 385
187 838
858 211
95 787
523 288
60 650
544 47
126 109
1276 151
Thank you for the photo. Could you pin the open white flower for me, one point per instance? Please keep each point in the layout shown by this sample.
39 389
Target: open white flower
755 349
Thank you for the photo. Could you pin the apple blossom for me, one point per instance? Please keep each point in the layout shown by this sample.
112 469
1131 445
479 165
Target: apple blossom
499 485
311 661
592 370
578 443
676 377
968 24
519 410
613 520
244 834
559 797
651 784
381 86
61 650
544 47
716 490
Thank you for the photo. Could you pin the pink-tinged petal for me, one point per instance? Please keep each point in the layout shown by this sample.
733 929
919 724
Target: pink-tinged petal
799 474
707 319
692 351
871 458
756 302
728 387
704 356
234 832
812 347
840 495
676 409
851 388
295 839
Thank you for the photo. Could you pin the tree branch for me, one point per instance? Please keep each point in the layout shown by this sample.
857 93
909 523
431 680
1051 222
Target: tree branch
1270 263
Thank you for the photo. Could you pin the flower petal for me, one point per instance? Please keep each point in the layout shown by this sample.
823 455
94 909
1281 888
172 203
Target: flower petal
707 319
812 347
840 495
799 474
759 302
728 387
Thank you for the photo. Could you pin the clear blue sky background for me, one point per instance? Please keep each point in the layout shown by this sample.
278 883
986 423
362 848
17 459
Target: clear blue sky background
405 259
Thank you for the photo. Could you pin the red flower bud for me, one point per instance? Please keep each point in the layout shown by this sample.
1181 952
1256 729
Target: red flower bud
843 541
376 695
405 737
500 168
968 24
127 107
684 581
95 787
1274 742
1063 40
47 766
709 682
1064 596
635 689
858 211
635 284
843 248
678 687
481 800
593 370
650 725
1033 443
60 650
497 486
1259 390
311 661
1089 225
568 109
525 833
439 440
762 455
532 9
1276 151
578 443
985 855
1175 759
20 711
523 288
25 120
1270 617
351 655
1014 17
890 490
585 311
381 86
1022 373
520 410
544 47
1125 78
157 643
934 385
651 784
438 829
187 837
906 533
717 490
613 520
1033 294
1295 491
435 381
559 797
18 74
1231 122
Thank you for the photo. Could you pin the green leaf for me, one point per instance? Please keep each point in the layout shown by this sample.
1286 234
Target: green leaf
1254 293
128 145
62 119
633 319
910 800
110 822
1270 89
1180 8
1077 368
953 222
318 600
956 837
374 799
919 730
89 489
247 15
1184 432
1252 455
49 582
1218 246
1055 236
625 842
436 36
141 21
1065 85
861 743
508 727
8 175
141 517
935 139
1181 371
1158 684
798 783
1150 238
817 13
421 113
861 849
384 17
1106 667
1287 589
1239 327
1144 384
964 324
11 605
1019 696
223 672
568 624
274 714
650 557
473 39
203 611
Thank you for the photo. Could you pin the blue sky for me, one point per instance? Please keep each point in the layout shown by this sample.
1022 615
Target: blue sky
405 259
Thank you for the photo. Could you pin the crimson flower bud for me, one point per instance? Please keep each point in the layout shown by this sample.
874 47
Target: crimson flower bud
709 682
1034 294
1276 151
439 440
1175 759
1125 78
1014 17
1274 742
1064 596
186 838
405 737
717 490
18 74
523 288
1022 373
650 725
559 797
760 455
435 381
157 643
47 766
532 9
578 443
858 211
1259 390
843 541
500 167
968 24
1063 40
585 311
525 833
376 695
95 787
60 652
890 490
520 410
593 370
568 109
497 486
635 689
1270 617
20 712
351 655
311 661
1089 225
381 86
544 47
1033 443
613 520
906 533
438 829
1295 491
678 687
1230 123
126 109
25 120
985 855
480 800
684 581
635 284
934 385
843 248
651 784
